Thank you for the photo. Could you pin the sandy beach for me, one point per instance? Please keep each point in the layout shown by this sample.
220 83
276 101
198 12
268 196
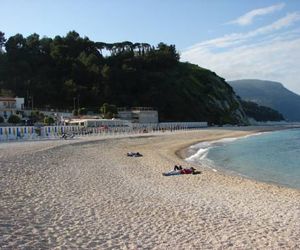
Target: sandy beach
87 194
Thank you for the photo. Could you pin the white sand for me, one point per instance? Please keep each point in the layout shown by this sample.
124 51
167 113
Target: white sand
57 194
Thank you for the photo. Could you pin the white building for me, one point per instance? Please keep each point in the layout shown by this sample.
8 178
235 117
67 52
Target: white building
19 103
10 105
139 115
88 123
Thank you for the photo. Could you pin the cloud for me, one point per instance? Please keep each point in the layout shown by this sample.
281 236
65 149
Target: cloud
271 52
236 38
248 17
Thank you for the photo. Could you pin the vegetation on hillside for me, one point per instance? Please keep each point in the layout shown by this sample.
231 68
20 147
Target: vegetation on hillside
73 72
261 113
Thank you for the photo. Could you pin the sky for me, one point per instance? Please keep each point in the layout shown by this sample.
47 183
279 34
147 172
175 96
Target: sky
237 39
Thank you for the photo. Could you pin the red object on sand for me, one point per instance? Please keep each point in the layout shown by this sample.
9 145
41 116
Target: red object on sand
186 171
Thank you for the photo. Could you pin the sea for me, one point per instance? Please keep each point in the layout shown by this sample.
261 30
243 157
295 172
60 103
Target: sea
272 157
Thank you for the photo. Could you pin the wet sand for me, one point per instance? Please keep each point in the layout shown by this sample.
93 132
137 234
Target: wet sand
88 194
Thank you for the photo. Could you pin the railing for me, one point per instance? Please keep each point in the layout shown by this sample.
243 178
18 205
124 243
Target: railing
8 106
136 109
56 132
54 110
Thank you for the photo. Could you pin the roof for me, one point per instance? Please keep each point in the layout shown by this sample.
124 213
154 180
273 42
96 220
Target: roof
83 120
7 99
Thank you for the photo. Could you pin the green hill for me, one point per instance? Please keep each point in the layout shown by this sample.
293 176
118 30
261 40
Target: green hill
261 113
59 72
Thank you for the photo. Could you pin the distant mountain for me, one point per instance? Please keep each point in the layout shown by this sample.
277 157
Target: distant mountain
270 94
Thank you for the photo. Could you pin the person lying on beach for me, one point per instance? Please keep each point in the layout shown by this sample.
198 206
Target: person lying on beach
133 154
190 170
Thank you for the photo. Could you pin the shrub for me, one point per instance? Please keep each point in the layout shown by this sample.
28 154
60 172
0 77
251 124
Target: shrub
14 119
108 111
82 111
75 112
36 116
49 120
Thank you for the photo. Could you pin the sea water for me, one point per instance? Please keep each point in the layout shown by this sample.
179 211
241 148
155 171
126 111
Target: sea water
269 157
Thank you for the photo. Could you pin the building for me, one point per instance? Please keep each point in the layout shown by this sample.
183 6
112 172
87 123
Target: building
138 115
10 105
96 123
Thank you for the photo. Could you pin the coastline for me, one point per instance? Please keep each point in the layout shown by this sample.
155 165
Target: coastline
182 152
185 152
88 194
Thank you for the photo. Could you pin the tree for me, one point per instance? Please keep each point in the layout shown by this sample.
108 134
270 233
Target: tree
108 111
14 119
2 40
49 120
6 92
36 116
33 41
15 43
82 111
75 112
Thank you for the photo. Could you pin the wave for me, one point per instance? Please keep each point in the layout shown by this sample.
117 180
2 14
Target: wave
199 155
201 150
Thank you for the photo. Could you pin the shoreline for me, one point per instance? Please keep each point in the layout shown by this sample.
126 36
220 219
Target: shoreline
183 153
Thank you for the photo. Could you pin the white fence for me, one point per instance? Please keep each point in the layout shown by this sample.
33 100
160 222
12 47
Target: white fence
54 132
13 133
187 125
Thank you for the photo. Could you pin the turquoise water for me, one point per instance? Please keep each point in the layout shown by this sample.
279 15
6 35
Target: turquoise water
268 157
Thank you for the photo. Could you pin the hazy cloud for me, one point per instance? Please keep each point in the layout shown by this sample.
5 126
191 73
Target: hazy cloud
236 38
271 52
249 16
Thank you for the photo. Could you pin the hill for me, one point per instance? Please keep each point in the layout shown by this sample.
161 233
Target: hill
261 113
270 94
69 71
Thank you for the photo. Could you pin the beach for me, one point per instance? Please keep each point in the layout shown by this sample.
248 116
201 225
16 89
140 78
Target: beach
87 194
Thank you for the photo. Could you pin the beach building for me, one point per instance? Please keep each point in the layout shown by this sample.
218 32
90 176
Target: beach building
10 105
93 122
138 114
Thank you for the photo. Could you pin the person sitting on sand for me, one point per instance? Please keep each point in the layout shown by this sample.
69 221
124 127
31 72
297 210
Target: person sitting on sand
177 167
63 136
